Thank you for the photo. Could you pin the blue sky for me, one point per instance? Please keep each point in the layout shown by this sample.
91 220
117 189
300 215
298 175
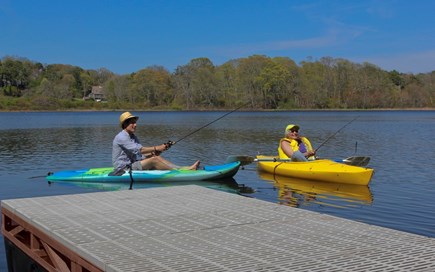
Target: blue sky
126 36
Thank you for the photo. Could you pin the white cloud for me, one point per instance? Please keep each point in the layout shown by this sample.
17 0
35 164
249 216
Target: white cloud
266 48
413 62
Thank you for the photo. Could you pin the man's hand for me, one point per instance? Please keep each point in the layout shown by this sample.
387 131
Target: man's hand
168 144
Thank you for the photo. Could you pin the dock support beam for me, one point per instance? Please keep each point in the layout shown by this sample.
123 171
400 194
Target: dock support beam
45 251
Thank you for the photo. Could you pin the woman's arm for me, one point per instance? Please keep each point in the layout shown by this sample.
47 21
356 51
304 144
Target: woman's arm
286 147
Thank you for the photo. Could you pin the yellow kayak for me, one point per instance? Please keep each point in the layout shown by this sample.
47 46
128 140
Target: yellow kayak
321 170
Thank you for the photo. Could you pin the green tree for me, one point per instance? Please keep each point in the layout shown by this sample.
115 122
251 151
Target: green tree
274 82
226 85
343 73
153 86
289 94
116 89
265 82
86 82
249 83
14 75
312 85
100 76
195 83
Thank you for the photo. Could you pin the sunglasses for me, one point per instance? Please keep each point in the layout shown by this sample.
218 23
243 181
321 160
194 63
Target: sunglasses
293 130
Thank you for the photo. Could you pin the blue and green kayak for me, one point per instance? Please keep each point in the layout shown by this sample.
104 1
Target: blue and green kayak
100 175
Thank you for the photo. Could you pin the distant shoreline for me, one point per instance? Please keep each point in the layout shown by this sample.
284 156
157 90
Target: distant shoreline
222 110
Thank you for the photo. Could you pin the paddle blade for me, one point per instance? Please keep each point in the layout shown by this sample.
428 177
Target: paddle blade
243 159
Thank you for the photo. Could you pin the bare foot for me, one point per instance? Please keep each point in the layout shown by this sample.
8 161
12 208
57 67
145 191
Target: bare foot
194 166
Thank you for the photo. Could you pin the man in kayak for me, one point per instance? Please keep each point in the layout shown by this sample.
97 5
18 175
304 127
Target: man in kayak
127 152
295 147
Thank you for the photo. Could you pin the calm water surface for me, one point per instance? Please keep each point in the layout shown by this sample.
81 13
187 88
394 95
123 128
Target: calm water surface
401 145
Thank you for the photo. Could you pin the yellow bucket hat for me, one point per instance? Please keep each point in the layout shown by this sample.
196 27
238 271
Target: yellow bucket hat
125 116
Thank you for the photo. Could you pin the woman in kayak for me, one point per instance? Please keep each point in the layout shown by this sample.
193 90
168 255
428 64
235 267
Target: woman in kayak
127 152
295 147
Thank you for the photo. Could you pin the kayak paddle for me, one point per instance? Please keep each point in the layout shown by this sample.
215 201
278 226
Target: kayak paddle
244 160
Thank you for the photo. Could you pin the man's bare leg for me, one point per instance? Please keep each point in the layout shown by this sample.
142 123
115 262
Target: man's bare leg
159 163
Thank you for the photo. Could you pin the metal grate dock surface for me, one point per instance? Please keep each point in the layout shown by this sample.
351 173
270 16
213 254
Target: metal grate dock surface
191 228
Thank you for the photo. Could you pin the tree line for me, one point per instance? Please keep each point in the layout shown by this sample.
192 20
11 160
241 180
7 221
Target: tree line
259 81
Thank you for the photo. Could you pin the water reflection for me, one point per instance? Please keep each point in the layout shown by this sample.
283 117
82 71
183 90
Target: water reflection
227 185
298 192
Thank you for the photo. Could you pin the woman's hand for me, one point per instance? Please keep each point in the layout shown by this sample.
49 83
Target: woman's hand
310 153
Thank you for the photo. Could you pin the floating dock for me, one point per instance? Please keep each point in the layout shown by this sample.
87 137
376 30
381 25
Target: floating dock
192 228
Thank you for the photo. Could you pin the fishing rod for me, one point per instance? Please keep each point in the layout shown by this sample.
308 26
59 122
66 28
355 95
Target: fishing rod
170 143
324 142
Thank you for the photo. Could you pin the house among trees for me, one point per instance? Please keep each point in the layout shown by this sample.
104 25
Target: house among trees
97 94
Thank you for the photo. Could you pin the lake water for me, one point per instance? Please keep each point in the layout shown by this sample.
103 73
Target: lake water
401 145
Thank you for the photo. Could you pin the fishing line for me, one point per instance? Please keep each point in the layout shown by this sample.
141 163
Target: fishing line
170 143
324 142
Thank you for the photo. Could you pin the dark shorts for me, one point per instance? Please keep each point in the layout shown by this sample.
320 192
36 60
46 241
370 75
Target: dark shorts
136 166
